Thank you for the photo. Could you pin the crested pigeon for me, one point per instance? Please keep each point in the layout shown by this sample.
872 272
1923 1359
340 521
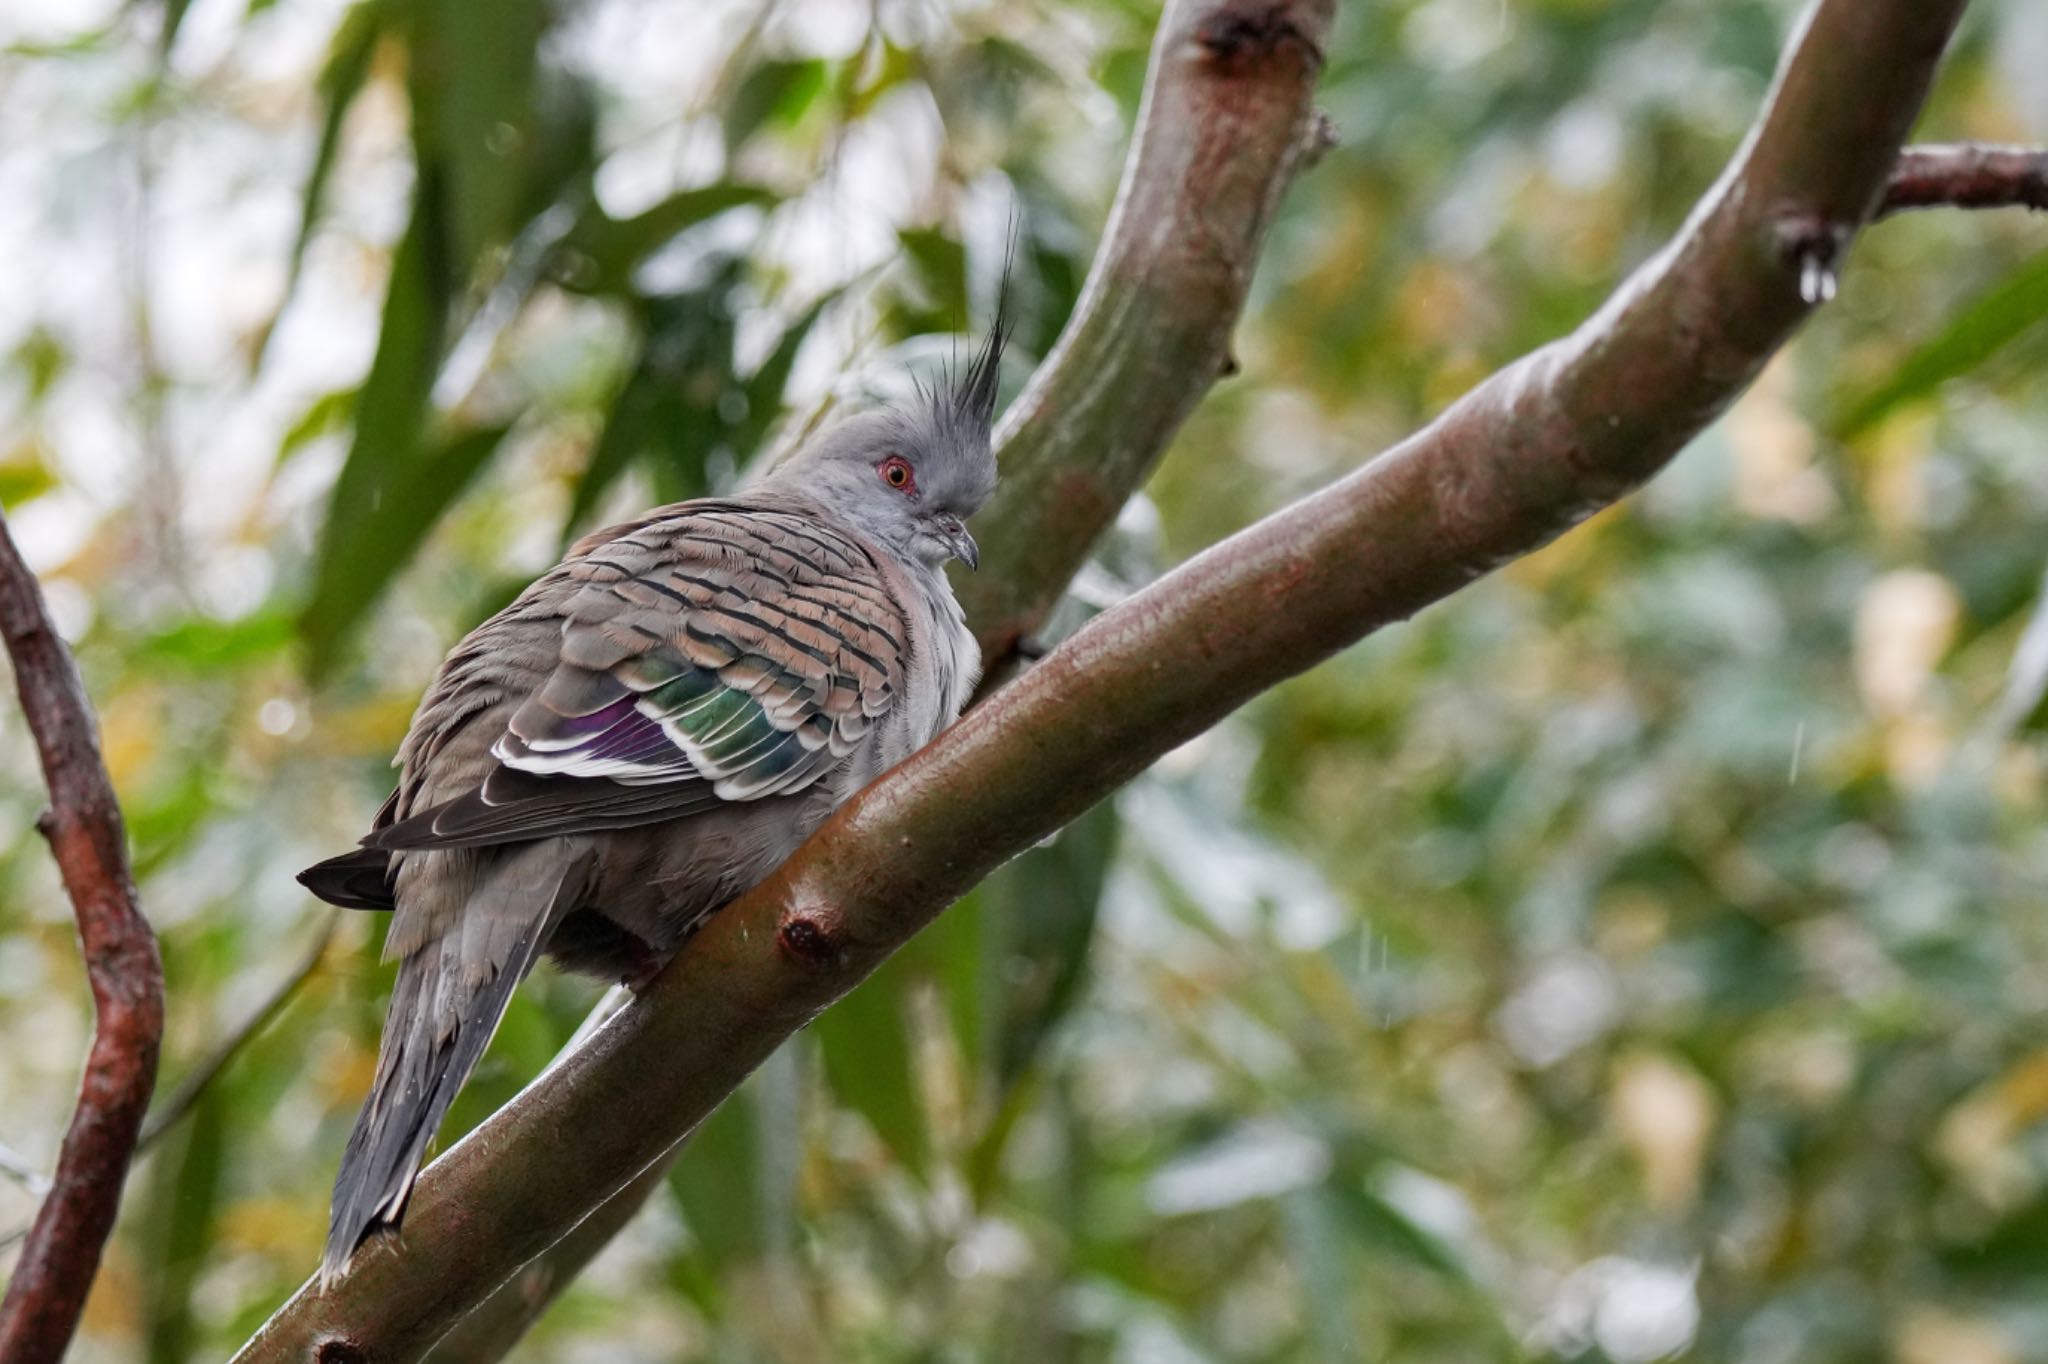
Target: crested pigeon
649 730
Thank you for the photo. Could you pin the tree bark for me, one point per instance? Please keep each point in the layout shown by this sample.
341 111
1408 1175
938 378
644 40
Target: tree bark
1226 121
47 1292
1972 175
1528 454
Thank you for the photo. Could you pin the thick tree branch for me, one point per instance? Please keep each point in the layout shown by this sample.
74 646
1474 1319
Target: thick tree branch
490 1332
1525 456
499 1321
1226 120
1968 175
57 1264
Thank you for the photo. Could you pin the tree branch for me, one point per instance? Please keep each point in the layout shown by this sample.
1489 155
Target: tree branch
1967 175
1227 118
1525 456
499 1321
22 1171
83 825
489 1333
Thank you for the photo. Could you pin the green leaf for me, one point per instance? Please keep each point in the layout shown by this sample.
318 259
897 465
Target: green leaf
563 154
871 1064
881 67
2023 704
204 644
628 429
174 16
341 79
1380 1225
764 387
774 91
391 411
356 571
2014 307
1033 924
1331 1299
600 254
42 359
2013 1250
1043 907
939 264
474 114
674 410
24 475
719 1181
954 951
324 416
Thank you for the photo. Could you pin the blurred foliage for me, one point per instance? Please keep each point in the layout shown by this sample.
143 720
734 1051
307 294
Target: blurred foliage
1640 956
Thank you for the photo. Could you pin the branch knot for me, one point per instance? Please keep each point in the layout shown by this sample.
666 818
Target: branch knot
812 937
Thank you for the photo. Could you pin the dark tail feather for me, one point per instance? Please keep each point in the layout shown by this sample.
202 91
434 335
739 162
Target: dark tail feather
354 880
443 1012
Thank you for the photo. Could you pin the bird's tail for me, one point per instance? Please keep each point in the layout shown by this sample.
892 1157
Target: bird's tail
449 998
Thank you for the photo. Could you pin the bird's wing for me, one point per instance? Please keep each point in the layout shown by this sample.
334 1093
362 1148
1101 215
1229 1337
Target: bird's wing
726 653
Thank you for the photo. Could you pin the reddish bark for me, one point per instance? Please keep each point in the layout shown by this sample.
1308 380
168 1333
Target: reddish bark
1971 175
83 825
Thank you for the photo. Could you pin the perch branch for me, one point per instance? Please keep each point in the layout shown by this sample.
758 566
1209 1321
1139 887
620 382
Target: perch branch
83 825
490 1332
1525 456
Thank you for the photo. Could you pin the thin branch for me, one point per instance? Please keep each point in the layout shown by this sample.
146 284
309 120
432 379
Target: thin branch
1967 175
1527 455
83 825
23 1171
1227 119
167 1114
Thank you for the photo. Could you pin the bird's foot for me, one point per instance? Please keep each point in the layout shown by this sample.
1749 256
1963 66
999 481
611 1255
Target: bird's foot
643 964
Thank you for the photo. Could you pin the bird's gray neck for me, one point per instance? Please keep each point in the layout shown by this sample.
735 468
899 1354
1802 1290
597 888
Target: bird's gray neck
956 656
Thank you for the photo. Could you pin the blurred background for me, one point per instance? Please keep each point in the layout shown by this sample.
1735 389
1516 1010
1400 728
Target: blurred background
1640 956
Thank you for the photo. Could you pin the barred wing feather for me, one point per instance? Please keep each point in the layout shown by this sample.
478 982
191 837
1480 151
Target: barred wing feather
723 654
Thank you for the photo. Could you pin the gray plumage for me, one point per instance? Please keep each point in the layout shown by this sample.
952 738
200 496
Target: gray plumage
649 730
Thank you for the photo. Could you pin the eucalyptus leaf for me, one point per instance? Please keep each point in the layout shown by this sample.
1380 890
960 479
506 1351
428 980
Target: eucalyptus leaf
871 1064
2014 307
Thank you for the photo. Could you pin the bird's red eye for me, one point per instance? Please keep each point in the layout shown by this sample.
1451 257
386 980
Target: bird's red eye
896 472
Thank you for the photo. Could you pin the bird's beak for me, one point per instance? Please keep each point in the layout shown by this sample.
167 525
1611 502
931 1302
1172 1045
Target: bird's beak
954 533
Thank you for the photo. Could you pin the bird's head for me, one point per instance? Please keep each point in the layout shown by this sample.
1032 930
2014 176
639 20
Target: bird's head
911 475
